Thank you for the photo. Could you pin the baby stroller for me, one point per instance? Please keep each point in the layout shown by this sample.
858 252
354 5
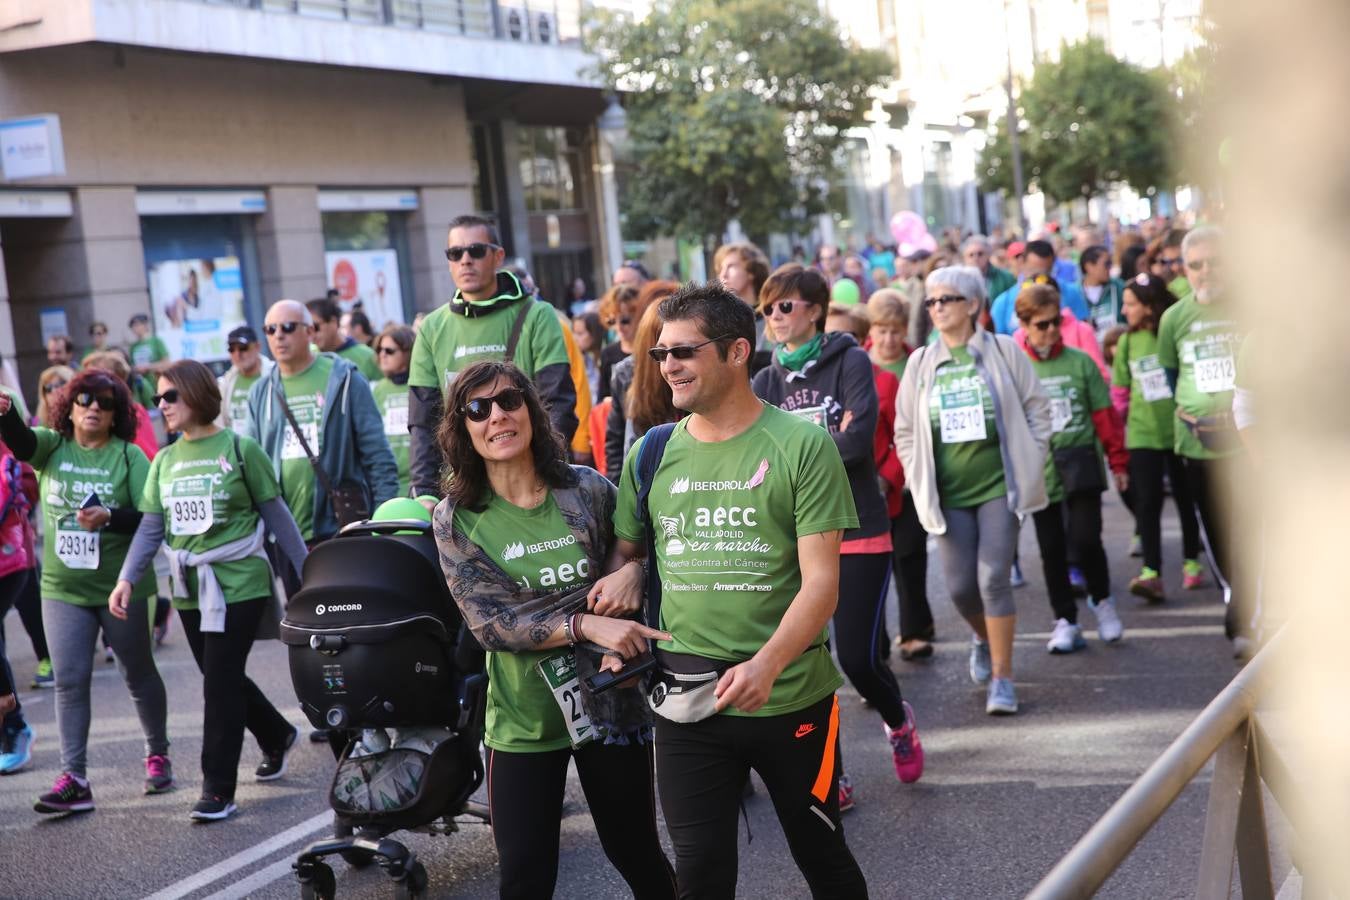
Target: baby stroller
376 642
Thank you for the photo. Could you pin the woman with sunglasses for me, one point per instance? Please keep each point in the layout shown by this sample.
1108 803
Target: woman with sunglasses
620 313
522 536
115 364
50 382
98 335
827 379
972 425
90 477
1082 421
393 352
1142 395
210 497
640 396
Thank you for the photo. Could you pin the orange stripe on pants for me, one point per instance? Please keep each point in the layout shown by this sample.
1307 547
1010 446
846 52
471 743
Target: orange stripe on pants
821 789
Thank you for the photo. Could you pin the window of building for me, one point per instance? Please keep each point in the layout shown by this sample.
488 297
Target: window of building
550 167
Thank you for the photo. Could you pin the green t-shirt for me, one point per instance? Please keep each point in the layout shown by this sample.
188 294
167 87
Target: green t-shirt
965 434
729 514
1200 341
1076 390
392 401
79 566
305 394
1180 287
361 356
535 547
1148 426
1106 310
206 501
450 342
238 402
148 351
896 368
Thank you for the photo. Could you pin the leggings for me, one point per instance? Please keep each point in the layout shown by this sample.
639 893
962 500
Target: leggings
1083 511
977 555
10 587
23 596
701 769
74 635
864 581
525 796
1146 480
910 564
232 701
1209 479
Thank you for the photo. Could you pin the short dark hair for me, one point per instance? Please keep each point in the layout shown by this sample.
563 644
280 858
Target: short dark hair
324 309
720 314
333 294
360 319
65 342
94 326
472 221
94 381
1041 249
466 478
197 389
1090 256
139 317
794 278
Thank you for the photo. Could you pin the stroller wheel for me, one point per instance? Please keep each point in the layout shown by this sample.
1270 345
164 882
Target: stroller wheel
323 886
412 885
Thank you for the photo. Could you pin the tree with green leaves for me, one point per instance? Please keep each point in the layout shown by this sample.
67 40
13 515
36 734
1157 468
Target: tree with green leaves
1088 121
736 110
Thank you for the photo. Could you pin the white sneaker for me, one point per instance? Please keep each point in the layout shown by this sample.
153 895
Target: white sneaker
1066 638
1109 627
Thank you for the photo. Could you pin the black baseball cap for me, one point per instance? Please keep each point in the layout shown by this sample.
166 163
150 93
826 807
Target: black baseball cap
244 334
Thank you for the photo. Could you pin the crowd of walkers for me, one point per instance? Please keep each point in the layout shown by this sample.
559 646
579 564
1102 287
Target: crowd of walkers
735 475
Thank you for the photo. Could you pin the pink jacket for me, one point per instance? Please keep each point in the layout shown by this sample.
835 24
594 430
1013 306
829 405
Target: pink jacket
1078 335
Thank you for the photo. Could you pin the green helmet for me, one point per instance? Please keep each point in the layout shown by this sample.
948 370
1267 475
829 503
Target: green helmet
401 508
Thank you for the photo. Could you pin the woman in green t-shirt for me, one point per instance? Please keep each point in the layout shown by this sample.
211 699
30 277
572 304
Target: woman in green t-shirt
1144 398
522 536
210 498
90 477
393 350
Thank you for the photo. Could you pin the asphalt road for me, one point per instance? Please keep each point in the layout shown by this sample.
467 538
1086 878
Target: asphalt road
1000 801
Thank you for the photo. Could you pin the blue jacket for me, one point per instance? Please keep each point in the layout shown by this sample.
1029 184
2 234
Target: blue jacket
353 447
1004 310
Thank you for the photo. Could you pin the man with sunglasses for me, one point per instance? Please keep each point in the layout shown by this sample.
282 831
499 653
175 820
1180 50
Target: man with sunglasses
1039 260
247 365
1199 339
337 416
746 509
478 324
328 337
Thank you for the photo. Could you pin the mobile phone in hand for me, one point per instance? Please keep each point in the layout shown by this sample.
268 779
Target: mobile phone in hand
90 500
604 680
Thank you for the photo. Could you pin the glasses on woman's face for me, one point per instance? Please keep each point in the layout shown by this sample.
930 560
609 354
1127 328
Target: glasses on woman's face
52 386
170 396
785 307
479 408
386 350
620 320
1046 324
105 402
945 299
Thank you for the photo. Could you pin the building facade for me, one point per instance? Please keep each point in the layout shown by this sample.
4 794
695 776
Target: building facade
219 156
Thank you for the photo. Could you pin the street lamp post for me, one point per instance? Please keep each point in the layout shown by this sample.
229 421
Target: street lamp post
1014 141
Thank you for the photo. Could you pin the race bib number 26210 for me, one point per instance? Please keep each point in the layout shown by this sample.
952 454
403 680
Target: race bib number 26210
962 416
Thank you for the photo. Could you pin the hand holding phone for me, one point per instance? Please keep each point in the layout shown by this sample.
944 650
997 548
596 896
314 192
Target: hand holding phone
604 680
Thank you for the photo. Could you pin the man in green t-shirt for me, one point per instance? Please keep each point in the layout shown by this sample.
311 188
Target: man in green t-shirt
149 354
477 324
747 509
976 252
328 338
247 365
1198 344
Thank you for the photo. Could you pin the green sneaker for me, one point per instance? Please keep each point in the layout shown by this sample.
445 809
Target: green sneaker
43 676
1192 575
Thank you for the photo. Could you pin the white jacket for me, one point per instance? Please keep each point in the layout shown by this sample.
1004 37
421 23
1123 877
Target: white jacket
226 385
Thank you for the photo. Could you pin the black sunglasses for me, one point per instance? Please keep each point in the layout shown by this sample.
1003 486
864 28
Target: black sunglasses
621 320
284 328
1045 324
931 302
783 306
386 350
238 348
683 351
52 386
479 408
1170 261
169 396
88 400
475 250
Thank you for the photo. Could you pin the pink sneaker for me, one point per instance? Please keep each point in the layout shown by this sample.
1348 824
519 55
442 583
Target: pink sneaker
1192 575
158 774
845 793
906 748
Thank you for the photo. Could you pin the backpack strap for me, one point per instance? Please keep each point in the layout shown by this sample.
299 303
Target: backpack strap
516 329
649 460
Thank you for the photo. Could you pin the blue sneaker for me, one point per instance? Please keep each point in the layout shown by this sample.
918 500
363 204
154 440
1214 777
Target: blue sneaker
1002 700
1078 581
1015 577
16 749
981 666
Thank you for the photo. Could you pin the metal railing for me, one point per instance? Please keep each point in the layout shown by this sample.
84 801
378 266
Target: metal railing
1235 822
524 21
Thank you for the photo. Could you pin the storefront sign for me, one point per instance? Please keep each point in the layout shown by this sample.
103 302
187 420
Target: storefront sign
197 302
35 204
31 147
368 276
367 201
199 203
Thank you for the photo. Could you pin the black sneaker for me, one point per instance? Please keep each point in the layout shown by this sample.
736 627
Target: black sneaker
212 808
273 765
66 796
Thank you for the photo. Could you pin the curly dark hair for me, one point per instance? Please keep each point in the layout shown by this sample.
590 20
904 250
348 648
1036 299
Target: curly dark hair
1152 292
93 381
465 478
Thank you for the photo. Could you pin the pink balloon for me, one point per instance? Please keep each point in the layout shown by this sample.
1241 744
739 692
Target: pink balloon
928 242
907 227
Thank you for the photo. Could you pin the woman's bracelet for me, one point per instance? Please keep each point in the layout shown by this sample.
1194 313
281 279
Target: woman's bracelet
567 631
576 626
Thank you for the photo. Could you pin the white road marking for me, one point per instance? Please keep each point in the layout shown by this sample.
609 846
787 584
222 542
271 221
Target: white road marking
244 858
259 879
